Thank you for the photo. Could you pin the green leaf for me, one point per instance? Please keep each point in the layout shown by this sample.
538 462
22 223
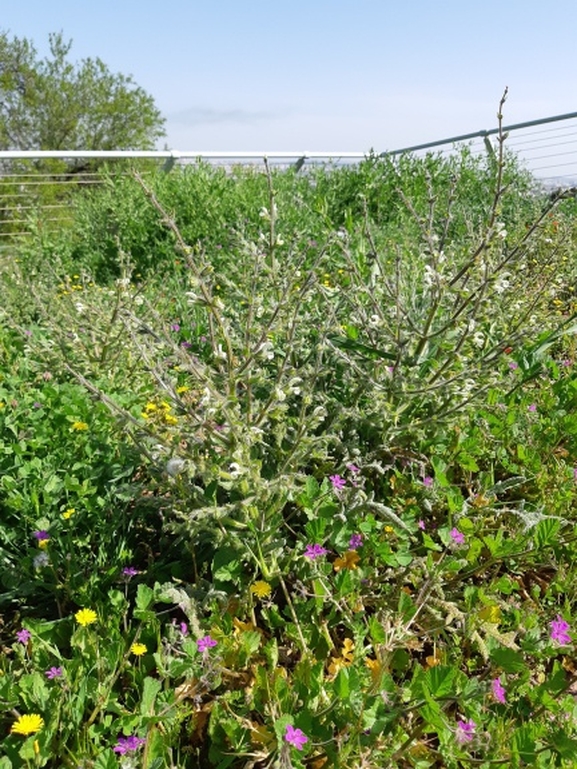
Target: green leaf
564 745
341 685
366 352
150 689
226 565
440 680
106 760
144 597
524 744
546 532
510 660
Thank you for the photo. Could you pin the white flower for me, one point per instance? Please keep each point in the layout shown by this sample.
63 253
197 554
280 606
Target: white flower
430 278
501 284
41 560
79 307
175 466
478 338
294 389
266 351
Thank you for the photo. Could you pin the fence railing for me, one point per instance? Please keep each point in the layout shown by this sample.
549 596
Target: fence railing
547 147
550 153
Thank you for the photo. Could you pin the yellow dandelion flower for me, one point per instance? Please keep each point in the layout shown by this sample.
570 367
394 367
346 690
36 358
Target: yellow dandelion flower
348 561
151 407
28 724
138 649
85 617
260 588
79 426
170 419
182 389
68 513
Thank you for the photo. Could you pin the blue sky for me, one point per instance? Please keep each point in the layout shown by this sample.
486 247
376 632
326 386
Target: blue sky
316 75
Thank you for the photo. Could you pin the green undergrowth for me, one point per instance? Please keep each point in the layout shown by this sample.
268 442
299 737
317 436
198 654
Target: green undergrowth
288 473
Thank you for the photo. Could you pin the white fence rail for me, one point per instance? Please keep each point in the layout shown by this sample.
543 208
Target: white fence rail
547 147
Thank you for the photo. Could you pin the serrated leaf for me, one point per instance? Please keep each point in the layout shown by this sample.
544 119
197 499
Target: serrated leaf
510 660
440 680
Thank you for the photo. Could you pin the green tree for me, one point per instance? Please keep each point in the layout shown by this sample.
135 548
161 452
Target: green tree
53 103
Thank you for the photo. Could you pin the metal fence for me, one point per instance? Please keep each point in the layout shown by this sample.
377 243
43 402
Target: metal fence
547 147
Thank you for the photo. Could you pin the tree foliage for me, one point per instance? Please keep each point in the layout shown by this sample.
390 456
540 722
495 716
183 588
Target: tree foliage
54 103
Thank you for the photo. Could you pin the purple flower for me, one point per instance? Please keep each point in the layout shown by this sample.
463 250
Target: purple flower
513 365
205 643
566 362
186 345
427 481
23 635
314 551
338 482
355 541
128 744
175 327
295 737
184 628
41 535
457 536
532 407
465 731
559 630
498 691
54 672
129 571
422 525
353 469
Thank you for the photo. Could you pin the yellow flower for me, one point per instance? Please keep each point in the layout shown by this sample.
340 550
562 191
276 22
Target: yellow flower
43 543
242 627
182 389
79 426
170 419
85 617
260 588
68 513
138 649
375 667
345 659
151 406
349 561
28 724
347 650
